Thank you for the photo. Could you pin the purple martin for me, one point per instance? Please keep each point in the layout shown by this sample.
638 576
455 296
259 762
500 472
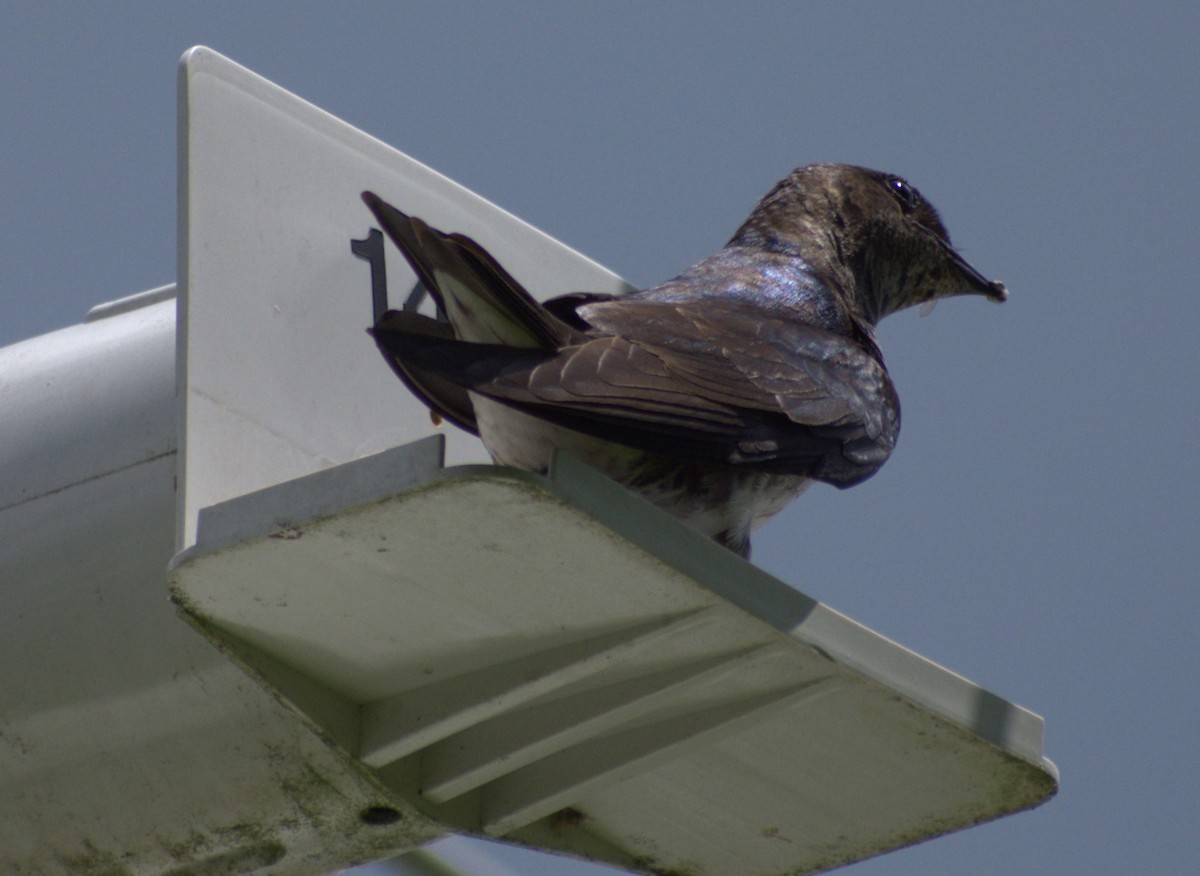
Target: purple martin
718 395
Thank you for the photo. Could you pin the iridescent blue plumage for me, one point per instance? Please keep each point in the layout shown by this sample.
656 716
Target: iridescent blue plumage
784 286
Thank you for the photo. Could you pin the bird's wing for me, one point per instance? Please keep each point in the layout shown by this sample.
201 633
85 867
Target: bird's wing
566 307
814 376
726 387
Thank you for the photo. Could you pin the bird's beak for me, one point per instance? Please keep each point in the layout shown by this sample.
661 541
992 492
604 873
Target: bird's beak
975 282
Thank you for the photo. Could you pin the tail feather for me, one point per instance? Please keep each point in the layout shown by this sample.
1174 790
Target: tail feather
398 331
483 301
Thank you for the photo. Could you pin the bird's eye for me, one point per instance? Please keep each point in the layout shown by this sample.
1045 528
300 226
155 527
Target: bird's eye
908 197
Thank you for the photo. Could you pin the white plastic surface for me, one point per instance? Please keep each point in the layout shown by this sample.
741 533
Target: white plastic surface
128 743
277 376
556 662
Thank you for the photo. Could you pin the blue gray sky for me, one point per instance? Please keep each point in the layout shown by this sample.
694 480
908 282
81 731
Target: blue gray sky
1036 529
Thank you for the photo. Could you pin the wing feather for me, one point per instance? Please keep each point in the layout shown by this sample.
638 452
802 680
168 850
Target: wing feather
647 397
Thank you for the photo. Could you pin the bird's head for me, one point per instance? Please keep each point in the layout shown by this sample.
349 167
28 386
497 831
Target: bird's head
869 235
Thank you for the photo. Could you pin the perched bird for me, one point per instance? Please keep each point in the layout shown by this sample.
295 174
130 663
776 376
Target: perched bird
718 395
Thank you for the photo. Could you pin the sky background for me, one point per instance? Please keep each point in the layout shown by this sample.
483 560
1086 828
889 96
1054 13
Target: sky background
1036 529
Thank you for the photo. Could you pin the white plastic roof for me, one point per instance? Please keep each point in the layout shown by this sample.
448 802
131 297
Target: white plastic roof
556 662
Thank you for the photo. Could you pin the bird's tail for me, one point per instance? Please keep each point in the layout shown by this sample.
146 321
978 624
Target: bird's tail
483 302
